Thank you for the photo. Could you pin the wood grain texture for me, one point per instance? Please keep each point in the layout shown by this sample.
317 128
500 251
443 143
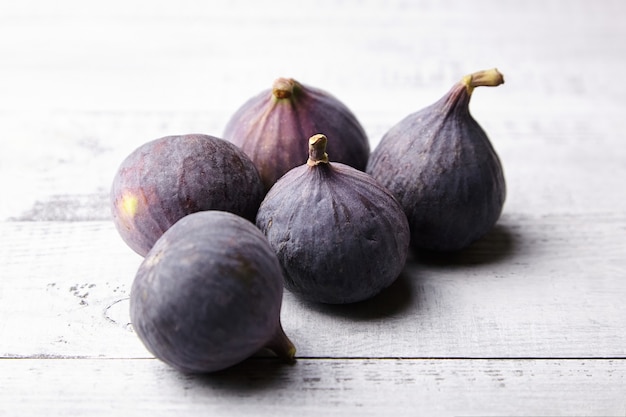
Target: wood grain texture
75 106
311 388
535 287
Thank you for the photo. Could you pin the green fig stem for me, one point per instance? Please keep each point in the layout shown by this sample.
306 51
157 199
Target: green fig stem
282 346
317 150
489 78
283 87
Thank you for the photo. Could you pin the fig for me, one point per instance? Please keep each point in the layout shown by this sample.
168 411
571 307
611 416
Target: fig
168 178
440 165
208 295
339 235
270 126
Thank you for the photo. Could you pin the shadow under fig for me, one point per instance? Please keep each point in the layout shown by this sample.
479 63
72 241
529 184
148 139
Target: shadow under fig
496 246
391 301
257 373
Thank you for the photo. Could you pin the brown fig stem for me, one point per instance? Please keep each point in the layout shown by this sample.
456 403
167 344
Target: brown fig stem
488 78
283 87
282 346
317 150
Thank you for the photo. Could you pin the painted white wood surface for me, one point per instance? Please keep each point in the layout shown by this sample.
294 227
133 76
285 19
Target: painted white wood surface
534 288
313 388
529 321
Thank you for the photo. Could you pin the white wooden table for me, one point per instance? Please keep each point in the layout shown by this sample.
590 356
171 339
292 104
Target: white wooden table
529 321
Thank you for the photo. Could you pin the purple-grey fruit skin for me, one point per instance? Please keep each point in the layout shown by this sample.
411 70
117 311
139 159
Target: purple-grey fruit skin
273 132
168 178
339 236
442 168
208 294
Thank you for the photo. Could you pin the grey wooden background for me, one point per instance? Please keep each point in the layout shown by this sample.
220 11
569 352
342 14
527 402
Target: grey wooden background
530 321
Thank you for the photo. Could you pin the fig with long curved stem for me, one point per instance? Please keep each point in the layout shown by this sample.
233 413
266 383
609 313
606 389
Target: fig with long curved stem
444 171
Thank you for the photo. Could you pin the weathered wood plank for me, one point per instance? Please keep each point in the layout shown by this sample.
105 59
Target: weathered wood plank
314 387
556 126
553 163
547 286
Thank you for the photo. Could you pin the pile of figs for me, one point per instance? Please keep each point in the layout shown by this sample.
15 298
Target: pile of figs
290 196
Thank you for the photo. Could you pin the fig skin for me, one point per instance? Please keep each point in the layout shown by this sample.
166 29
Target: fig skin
338 234
270 128
208 295
168 178
444 171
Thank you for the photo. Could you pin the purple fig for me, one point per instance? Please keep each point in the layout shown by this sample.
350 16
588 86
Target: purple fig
165 179
208 295
338 234
442 168
270 126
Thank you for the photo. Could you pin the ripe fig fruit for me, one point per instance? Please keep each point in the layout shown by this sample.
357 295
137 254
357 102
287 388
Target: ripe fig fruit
208 294
165 179
442 168
339 235
270 127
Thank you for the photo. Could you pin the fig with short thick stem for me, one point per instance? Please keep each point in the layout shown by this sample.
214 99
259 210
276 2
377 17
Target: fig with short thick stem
209 293
272 126
338 234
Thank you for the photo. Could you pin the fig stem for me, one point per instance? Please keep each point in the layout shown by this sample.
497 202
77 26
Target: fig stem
282 346
488 78
283 87
317 150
